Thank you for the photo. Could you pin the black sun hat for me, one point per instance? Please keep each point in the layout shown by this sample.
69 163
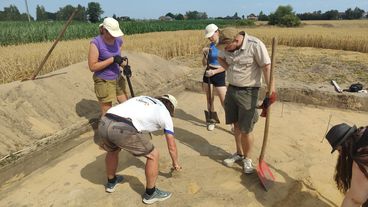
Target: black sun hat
338 134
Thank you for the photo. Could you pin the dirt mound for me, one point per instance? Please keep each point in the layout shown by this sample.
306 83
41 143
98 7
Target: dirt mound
34 110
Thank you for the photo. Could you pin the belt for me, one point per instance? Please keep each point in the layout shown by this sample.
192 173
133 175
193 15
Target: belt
244 88
120 119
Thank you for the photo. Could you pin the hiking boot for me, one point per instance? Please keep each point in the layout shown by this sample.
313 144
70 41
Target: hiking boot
110 187
158 195
233 158
248 166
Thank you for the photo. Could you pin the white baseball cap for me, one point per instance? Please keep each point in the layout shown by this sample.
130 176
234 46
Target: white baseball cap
210 30
171 98
111 25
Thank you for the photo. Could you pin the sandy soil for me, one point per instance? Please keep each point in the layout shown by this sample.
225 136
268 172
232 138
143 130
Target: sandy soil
302 165
34 111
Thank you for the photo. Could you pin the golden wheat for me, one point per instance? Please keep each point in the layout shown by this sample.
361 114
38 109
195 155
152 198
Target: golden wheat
17 62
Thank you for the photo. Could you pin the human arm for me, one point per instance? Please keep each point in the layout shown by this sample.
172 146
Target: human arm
205 52
267 76
213 72
93 63
171 145
358 192
223 63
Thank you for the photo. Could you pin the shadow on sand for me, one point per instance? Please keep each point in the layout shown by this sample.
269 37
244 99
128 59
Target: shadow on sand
90 109
94 172
181 114
291 193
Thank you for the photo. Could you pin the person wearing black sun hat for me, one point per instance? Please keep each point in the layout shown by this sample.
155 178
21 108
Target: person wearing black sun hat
351 173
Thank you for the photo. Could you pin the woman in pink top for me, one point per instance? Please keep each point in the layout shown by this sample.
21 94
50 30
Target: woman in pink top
104 59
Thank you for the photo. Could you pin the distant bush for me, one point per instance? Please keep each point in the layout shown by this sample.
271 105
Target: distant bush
245 22
284 16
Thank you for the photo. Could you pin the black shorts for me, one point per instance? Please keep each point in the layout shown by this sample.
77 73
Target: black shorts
217 80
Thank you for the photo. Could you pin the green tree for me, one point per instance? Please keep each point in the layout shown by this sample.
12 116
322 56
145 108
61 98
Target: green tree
358 13
65 12
81 14
196 15
236 16
330 15
41 14
284 16
170 15
94 12
349 14
11 13
179 17
262 16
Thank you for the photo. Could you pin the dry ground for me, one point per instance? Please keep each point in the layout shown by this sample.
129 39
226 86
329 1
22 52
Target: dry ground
301 163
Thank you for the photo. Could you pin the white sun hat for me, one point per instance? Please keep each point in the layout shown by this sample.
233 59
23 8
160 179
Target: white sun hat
210 30
111 25
171 98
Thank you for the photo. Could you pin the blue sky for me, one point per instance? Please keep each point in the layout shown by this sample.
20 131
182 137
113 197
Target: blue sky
152 9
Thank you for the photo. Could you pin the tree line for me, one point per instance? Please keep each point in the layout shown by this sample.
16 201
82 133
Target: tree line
349 13
284 15
92 13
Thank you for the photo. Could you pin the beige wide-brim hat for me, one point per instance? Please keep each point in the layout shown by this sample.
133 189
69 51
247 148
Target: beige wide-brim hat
210 30
111 25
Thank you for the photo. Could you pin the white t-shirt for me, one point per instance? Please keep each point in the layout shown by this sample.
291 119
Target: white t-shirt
147 114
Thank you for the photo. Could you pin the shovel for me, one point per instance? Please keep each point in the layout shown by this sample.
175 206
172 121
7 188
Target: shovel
128 73
264 173
211 116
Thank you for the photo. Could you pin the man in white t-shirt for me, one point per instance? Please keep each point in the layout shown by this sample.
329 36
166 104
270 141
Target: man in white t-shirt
122 127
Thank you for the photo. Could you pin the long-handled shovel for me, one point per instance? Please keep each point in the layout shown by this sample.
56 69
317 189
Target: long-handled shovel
211 116
264 173
128 73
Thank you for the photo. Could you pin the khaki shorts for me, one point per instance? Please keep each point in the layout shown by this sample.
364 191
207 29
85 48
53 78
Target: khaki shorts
107 90
240 107
114 135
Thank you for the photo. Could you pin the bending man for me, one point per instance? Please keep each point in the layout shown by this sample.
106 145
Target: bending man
122 127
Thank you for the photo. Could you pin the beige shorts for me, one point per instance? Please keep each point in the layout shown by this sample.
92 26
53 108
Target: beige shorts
107 90
115 135
240 107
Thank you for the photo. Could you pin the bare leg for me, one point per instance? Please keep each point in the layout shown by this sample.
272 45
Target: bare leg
105 107
247 142
205 89
151 168
238 139
221 91
122 98
111 161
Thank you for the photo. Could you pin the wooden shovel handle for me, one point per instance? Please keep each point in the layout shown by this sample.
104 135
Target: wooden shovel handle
265 135
53 46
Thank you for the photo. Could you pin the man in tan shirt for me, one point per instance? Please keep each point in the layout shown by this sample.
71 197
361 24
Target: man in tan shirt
245 58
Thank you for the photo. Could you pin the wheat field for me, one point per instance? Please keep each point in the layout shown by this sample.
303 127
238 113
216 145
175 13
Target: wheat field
18 62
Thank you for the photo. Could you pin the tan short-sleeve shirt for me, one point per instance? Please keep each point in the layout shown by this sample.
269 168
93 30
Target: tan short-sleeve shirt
245 64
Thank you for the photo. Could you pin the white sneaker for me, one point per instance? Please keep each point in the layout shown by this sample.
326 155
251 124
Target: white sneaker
211 127
233 158
248 166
